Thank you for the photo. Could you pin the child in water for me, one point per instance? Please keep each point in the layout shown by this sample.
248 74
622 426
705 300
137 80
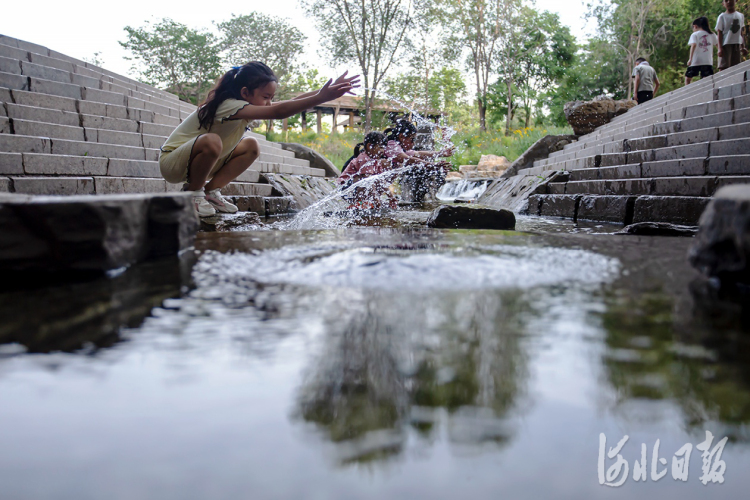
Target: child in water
209 144
400 148
369 159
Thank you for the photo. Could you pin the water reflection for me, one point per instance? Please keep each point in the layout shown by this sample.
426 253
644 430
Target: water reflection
386 363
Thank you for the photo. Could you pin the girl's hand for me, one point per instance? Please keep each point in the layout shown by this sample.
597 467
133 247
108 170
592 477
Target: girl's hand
331 91
354 80
447 152
690 61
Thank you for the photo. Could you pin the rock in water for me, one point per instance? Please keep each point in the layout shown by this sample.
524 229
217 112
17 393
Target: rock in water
722 247
241 221
658 229
585 117
451 217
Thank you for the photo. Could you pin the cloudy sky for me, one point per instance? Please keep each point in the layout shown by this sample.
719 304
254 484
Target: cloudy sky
80 29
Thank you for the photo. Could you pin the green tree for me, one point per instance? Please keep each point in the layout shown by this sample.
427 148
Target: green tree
170 55
369 33
269 39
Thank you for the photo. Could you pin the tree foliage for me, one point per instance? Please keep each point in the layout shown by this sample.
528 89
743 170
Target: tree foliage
369 33
171 55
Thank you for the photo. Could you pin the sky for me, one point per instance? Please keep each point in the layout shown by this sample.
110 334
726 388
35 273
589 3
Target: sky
79 29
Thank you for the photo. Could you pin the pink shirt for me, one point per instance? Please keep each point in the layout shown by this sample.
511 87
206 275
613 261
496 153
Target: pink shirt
362 166
393 149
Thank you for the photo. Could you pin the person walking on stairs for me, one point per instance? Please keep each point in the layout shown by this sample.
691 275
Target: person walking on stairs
702 43
730 27
646 81
209 144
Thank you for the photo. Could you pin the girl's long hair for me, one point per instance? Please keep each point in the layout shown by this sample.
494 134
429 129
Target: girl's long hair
371 138
252 75
702 23
401 127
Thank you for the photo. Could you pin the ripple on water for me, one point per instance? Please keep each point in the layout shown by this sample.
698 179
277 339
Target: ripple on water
487 267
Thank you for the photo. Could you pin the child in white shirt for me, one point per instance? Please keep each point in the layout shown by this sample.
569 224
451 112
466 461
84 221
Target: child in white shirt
702 43
731 29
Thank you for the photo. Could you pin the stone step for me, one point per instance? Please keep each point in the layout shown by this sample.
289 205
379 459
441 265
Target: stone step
696 185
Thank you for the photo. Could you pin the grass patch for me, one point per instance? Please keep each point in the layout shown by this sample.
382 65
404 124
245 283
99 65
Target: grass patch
471 145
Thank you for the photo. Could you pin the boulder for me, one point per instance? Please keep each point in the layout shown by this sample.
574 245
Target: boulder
659 229
451 176
316 159
92 233
461 217
587 116
540 150
493 162
722 247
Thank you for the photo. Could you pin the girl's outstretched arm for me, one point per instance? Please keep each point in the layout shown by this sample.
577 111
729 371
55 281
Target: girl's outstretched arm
341 79
285 109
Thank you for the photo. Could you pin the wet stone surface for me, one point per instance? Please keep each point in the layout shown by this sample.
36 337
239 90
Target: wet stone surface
375 362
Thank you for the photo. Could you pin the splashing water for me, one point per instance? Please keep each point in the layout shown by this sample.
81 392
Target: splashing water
465 190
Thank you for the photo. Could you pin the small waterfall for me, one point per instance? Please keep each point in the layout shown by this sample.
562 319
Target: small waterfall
464 190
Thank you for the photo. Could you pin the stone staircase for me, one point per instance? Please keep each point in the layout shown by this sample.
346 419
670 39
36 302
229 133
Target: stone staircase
68 127
661 161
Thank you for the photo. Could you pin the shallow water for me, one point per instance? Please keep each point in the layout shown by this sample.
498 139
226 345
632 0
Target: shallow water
373 362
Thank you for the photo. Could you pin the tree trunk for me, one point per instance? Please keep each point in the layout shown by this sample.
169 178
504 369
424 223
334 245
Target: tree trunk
304 121
508 115
368 110
482 114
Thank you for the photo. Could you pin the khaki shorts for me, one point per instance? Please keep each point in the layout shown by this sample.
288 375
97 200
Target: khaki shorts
175 165
732 56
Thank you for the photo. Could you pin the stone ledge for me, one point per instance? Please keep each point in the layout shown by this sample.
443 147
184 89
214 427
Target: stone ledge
92 233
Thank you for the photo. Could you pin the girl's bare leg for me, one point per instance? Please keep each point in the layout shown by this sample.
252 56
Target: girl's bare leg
206 151
688 80
246 152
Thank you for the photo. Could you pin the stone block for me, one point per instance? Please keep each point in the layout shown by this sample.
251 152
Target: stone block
561 205
44 72
12 66
79 148
634 157
722 246
643 143
33 47
708 121
631 171
96 95
721 106
585 187
24 144
255 204
585 174
53 185
52 62
152 154
699 150
729 180
684 186
5 186
4 125
54 102
161 119
696 110
39 129
116 185
667 127
247 189
728 165
115 87
317 172
5 96
115 111
667 168
730 91
44 115
106 123
91 108
11 164
140 115
740 131
85 81
605 208
556 187
153 141
277 205
742 115
674 209
11 81
693 136
132 168
613 159
730 147
114 137
42 86
14 53
41 164
156 129
741 102
249 176
99 233
463 217
621 187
